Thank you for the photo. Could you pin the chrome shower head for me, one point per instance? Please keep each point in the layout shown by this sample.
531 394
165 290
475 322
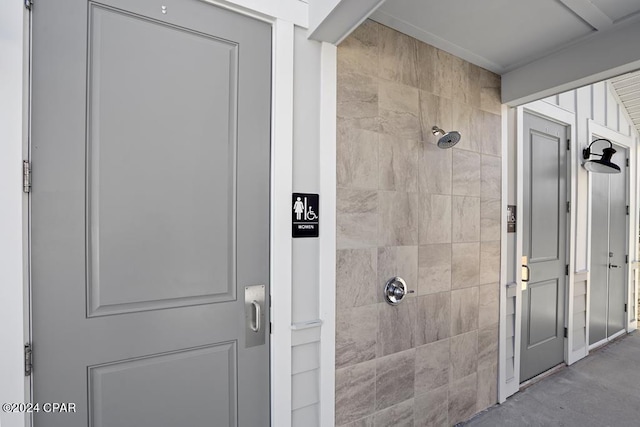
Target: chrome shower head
448 139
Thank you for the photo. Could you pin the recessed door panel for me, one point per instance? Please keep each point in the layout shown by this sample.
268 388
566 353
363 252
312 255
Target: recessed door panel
545 197
161 181
151 391
618 241
599 266
543 312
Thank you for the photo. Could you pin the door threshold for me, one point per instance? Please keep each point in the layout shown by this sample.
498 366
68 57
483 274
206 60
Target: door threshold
602 343
540 377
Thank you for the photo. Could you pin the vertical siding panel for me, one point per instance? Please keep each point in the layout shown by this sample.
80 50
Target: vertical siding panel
625 126
552 100
599 103
567 100
584 110
612 109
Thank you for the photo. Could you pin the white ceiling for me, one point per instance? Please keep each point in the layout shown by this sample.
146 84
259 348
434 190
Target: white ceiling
503 35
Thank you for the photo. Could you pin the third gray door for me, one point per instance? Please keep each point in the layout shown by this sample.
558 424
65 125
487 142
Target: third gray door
544 244
608 282
150 214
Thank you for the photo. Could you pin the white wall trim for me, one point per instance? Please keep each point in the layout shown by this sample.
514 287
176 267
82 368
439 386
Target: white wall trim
14 297
294 11
281 189
327 262
509 388
503 392
519 243
596 130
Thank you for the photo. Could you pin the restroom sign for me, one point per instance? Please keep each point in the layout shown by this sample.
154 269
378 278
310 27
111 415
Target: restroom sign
305 215
511 219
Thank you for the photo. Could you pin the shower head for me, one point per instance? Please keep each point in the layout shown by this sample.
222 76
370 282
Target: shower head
448 139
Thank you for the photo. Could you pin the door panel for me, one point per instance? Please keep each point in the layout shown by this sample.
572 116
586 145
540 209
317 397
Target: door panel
543 312
544 243
598 310
608 285
139 246
544 198
150 212
618 246
199 376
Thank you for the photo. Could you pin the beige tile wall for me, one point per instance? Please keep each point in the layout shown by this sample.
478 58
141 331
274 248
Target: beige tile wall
431 216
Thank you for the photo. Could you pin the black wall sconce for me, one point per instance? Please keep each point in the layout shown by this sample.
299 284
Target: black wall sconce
604 163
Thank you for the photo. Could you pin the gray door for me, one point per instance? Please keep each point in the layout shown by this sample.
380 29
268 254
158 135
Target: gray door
150 214
608 285
544 239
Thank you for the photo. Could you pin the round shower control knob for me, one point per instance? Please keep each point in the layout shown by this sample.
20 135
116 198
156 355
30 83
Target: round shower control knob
395 290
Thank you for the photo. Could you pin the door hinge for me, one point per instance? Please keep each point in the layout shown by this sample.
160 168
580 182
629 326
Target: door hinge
28 4
28 359
26 176
627 209
568 207
568 145
566 270
626 259
270 328
566 333
627 162
625 308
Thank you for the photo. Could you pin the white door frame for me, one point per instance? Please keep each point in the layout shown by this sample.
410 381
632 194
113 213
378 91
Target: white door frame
566 118
595 130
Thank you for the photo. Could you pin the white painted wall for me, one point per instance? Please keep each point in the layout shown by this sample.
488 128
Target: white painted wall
12 208
306 322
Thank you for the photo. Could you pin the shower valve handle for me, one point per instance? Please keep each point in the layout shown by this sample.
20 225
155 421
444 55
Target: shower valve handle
395 290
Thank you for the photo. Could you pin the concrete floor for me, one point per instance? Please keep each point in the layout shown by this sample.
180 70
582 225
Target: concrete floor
601 390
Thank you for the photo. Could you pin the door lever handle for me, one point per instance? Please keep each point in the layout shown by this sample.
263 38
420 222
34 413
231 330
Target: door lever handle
614 266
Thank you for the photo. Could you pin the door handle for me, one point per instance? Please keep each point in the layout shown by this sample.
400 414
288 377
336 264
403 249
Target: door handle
255 325
528 273
614 266
255 315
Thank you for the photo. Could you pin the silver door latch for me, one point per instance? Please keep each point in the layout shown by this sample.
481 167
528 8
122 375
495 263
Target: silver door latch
254 310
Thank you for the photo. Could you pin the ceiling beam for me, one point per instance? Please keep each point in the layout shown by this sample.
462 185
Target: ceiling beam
332 21
600 57
589 13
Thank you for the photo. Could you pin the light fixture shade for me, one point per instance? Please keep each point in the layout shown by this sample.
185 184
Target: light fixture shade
598 166
604 163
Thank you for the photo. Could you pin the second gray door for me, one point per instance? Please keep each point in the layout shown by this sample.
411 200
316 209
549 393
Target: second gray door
544 244
150 214
608 281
